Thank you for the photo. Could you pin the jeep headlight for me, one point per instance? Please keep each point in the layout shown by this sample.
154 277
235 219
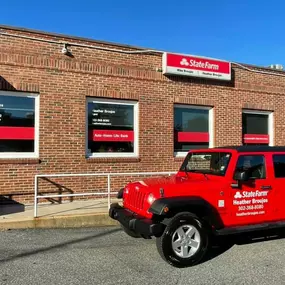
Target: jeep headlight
126 191
150 198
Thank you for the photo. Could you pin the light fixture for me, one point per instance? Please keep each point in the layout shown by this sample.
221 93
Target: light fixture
65 49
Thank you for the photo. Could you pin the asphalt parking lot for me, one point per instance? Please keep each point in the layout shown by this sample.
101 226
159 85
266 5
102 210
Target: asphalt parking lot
107 256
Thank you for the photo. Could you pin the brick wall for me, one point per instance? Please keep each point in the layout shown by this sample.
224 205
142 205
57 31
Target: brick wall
64 82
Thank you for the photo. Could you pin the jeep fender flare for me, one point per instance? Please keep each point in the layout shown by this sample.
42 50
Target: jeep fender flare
165 208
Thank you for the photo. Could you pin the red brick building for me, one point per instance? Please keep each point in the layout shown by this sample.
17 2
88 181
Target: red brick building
73 105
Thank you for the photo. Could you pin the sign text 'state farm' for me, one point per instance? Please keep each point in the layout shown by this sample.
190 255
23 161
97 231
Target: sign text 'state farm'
177 64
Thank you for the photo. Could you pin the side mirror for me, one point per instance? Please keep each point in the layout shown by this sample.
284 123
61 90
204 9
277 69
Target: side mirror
241 176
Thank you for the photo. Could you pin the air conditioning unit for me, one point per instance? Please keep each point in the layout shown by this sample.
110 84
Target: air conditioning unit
276 66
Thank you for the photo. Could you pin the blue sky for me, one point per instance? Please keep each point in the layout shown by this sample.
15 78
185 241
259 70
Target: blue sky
235 30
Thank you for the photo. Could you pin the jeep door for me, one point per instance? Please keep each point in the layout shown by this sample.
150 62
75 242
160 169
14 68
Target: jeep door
278 183
253 200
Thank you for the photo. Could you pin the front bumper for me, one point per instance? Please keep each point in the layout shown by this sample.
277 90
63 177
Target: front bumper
134 222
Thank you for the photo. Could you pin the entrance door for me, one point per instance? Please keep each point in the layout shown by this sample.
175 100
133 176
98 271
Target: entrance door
253 201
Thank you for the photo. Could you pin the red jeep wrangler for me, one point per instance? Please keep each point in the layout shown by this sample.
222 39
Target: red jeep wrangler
216 192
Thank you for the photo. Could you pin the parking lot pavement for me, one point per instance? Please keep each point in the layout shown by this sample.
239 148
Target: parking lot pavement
107 256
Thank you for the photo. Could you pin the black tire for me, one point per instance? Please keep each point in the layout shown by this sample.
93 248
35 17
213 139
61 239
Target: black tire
130 232
164 242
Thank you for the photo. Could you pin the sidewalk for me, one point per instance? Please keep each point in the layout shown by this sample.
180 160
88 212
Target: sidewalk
89 213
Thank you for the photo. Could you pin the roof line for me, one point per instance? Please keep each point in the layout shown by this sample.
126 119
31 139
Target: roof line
255 68
52 34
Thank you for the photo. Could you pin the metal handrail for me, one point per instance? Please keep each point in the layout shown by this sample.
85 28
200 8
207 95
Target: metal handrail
108 175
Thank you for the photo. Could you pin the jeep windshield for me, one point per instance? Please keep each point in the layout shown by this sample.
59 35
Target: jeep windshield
214 163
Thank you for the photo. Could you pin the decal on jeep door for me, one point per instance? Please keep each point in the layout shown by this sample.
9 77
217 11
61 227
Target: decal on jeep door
250 202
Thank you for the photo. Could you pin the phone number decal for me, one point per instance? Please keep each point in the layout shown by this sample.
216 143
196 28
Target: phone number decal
250 207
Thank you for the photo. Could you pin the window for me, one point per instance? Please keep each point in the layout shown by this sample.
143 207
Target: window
215 163
19 125
279 165
257 128
192 128
112 128
254 165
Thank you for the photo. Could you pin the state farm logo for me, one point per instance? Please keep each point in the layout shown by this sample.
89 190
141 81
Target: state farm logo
184 62
250 194
238 195
201 64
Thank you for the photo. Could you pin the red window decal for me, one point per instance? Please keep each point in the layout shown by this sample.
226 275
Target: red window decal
193 137
17 133
256 138
112 135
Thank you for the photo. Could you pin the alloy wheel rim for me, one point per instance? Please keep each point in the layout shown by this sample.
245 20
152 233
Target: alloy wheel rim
186 241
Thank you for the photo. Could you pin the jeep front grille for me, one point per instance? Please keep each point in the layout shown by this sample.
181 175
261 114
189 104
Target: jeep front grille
136 199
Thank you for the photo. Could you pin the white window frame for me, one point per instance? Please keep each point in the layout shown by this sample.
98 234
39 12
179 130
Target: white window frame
270 122
211 124
133 154
34 154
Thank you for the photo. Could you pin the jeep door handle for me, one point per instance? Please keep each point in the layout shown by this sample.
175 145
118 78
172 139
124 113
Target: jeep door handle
266 187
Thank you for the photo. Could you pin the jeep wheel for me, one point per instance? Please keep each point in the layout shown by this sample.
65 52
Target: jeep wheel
130 232
184 241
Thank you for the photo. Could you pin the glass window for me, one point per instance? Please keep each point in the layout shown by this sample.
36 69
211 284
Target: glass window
279 165
191 128
254 165
112 128
255 123
18 124
215 163
255 128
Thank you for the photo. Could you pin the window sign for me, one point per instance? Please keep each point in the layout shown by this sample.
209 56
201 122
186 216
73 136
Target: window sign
18 124
257 128
111 128
192 128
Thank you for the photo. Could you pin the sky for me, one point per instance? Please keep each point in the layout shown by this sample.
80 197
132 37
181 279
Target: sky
244 31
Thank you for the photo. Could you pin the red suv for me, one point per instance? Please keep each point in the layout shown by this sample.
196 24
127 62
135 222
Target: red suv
216 192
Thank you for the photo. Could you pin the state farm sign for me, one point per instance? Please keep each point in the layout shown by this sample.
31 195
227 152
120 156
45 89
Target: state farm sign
177 64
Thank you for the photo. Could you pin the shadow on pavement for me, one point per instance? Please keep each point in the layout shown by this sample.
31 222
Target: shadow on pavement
9 206
57 246
223 244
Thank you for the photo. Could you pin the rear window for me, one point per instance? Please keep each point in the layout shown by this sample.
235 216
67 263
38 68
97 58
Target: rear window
279 165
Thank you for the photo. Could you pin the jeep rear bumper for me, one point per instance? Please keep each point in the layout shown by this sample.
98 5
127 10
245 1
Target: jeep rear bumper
134 222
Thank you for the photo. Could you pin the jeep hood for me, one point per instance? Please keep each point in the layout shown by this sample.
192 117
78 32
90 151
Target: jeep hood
176 184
